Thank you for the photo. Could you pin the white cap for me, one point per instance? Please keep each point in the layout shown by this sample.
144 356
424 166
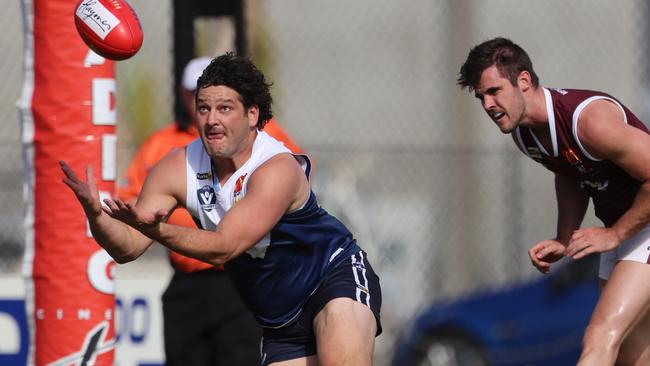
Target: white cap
193 71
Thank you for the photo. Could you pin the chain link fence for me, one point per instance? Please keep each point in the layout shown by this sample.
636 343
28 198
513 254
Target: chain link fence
442 202
11 164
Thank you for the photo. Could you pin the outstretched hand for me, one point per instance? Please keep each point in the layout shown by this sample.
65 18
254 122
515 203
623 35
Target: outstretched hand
88 195
86 191
544 253
145 222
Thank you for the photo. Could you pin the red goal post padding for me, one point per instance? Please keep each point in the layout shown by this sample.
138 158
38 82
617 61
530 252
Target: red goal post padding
67 113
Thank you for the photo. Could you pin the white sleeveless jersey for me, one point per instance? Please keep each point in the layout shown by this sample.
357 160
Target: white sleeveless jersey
277 275
207 200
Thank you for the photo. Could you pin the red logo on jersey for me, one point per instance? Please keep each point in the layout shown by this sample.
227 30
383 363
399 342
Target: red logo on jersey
238 188
571 156
573 159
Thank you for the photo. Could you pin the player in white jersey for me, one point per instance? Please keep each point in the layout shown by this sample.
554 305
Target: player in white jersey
297 267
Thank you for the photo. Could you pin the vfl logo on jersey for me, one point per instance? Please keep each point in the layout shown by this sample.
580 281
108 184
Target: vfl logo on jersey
574 160
237 194
534 153
207 197
203 176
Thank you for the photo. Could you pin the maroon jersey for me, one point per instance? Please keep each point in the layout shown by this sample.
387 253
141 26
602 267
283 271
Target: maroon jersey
610 187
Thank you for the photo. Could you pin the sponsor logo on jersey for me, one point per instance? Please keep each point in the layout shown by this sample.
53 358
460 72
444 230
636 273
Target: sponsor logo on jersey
561 91
573 159
599 186
207 197
239 185
204 176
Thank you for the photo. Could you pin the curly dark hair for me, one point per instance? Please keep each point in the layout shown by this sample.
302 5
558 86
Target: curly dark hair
509 58
240 74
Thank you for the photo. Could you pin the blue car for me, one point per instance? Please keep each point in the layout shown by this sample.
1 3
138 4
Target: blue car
536 324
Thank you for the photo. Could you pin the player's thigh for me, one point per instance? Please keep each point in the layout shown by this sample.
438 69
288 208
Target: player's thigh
345 326
625 297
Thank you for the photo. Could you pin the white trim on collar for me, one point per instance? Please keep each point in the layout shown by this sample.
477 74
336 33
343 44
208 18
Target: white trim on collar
551 121
551 126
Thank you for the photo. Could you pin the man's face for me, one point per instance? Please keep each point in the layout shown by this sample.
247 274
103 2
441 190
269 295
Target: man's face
223 122
503 102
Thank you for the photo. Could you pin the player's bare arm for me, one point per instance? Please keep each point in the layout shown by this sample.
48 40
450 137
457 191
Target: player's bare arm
163 190
572 205
118 239
275 188
605 135
164 187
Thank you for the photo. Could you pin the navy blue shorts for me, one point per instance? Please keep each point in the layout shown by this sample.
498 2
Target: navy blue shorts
353 278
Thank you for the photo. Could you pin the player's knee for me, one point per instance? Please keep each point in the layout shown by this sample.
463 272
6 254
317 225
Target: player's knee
602 336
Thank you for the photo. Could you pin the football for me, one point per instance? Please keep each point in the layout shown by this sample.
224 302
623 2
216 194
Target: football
111 28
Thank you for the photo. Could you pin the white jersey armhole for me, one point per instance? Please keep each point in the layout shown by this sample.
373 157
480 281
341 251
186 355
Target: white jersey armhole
551 123
576 115
305 164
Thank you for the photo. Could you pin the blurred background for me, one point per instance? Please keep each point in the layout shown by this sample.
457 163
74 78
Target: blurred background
438 197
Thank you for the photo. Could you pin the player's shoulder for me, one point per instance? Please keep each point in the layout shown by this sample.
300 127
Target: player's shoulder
282 160
282 167
600 115
570 96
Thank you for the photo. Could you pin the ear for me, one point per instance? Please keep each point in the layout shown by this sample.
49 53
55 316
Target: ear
253 115
524 81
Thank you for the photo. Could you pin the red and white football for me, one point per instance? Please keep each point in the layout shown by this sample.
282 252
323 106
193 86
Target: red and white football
111 28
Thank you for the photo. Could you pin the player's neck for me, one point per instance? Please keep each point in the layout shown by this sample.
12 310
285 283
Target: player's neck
225 167
536 112
539 120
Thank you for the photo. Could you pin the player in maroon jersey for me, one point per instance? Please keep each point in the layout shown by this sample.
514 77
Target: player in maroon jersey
597 149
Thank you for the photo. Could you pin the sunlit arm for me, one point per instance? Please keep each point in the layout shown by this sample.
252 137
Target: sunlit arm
637 217
605 135
118 239
214 247
276 187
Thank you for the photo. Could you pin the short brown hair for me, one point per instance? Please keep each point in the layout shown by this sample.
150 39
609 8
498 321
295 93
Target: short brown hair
509 58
